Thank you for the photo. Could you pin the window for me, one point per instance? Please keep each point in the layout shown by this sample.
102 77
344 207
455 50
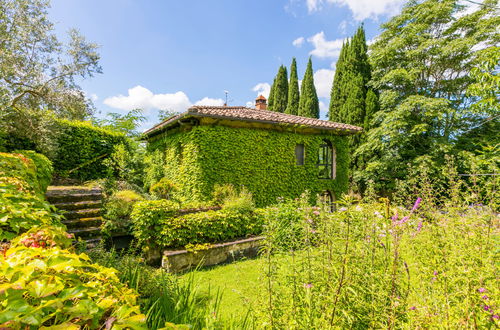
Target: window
299 154
326 161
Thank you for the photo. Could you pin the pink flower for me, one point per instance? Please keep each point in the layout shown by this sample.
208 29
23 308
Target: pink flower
412 308
485 297
417 203
395 217
419 226
308 285
316 213
496 317
435 272
481 290
486 307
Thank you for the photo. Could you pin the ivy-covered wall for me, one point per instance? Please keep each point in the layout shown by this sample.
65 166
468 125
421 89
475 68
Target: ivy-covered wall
262 160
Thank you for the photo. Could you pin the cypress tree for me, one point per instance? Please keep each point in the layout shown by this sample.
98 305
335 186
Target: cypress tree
337 96
280 90
308 104
270 99
371 106
292 108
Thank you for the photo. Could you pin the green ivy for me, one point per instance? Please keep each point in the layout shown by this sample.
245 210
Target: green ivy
261 160
160 224
83 149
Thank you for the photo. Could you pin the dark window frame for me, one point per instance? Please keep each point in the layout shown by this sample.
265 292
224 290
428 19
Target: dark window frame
327 159
300 154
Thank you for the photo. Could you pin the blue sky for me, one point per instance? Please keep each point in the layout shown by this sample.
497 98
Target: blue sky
166 54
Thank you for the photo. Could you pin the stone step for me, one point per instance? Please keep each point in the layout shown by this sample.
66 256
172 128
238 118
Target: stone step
71 206
83 223
86 233
80 214
83 197
92 243
68 190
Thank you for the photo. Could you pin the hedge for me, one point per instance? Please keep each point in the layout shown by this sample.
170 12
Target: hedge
161 224
262 160
83 148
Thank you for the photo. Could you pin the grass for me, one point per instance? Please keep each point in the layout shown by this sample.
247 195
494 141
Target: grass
240 284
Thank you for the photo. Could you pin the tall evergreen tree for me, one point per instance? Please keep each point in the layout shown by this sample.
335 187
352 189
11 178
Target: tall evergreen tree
349 88
280 91
270 99
292 108
308 104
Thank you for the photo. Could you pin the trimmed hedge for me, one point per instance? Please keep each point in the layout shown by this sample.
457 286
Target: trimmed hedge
83 148
160 224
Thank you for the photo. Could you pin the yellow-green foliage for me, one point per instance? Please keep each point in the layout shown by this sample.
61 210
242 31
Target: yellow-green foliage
261 160
118 208
160 224
21 195
42 283
163 188
43 166
82 149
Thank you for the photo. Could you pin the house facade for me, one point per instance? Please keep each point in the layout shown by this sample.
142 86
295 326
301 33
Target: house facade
272 154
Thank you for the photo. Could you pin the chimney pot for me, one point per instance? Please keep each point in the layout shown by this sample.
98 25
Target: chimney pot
261 103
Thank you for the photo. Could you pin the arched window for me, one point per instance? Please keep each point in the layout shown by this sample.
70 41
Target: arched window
326 161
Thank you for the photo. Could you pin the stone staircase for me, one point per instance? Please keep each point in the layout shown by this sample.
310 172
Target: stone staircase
81 207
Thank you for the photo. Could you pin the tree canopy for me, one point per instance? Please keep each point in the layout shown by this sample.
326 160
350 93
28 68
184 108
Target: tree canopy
308 104
292 107
280 91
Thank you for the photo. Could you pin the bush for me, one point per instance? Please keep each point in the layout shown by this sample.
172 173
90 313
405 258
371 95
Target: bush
222 192
158 224
21 189
163 189
47 285
241 202
118 208
44 169
83 148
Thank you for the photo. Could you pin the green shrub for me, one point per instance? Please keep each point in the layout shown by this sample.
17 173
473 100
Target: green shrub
222 192
47 285
163 189
147 220
21 189
241 202
209 227
83 148
158 224
44 169
118 208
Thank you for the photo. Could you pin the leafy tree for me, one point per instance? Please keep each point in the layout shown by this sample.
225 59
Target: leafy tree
280 91
422 67
39 72
337 96
292 107
127 123
270 99
371 107
308 104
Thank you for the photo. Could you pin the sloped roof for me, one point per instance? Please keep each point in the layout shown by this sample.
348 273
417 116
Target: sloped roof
254 115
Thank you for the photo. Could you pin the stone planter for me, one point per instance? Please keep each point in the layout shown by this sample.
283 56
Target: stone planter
182 260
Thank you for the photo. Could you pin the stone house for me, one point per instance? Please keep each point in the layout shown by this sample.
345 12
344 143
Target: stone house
272 154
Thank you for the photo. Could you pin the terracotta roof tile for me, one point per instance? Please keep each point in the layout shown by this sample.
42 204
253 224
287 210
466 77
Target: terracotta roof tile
250 114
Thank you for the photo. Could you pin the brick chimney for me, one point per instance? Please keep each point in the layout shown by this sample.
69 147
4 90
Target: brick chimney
261 103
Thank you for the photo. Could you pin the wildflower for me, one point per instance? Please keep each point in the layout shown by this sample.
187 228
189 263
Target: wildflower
343 209
417 203
308 285
309 220
485 297
435 273
395 217
481 290
412 308
419 226
359 208
377 213
316 213
313 231
486 308
496 317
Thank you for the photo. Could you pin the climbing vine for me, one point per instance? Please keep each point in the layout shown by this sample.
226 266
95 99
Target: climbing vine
261 160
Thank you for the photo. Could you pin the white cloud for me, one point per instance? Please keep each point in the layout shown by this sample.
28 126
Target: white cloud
324 48
298 42
343 27
262 89
323 79
249 104
142 98
361 9
323 110
209 101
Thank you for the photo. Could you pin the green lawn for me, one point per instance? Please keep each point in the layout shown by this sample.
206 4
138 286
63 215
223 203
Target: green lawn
240 284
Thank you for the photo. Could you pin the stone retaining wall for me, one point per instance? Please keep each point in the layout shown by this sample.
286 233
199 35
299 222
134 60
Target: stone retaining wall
181 260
